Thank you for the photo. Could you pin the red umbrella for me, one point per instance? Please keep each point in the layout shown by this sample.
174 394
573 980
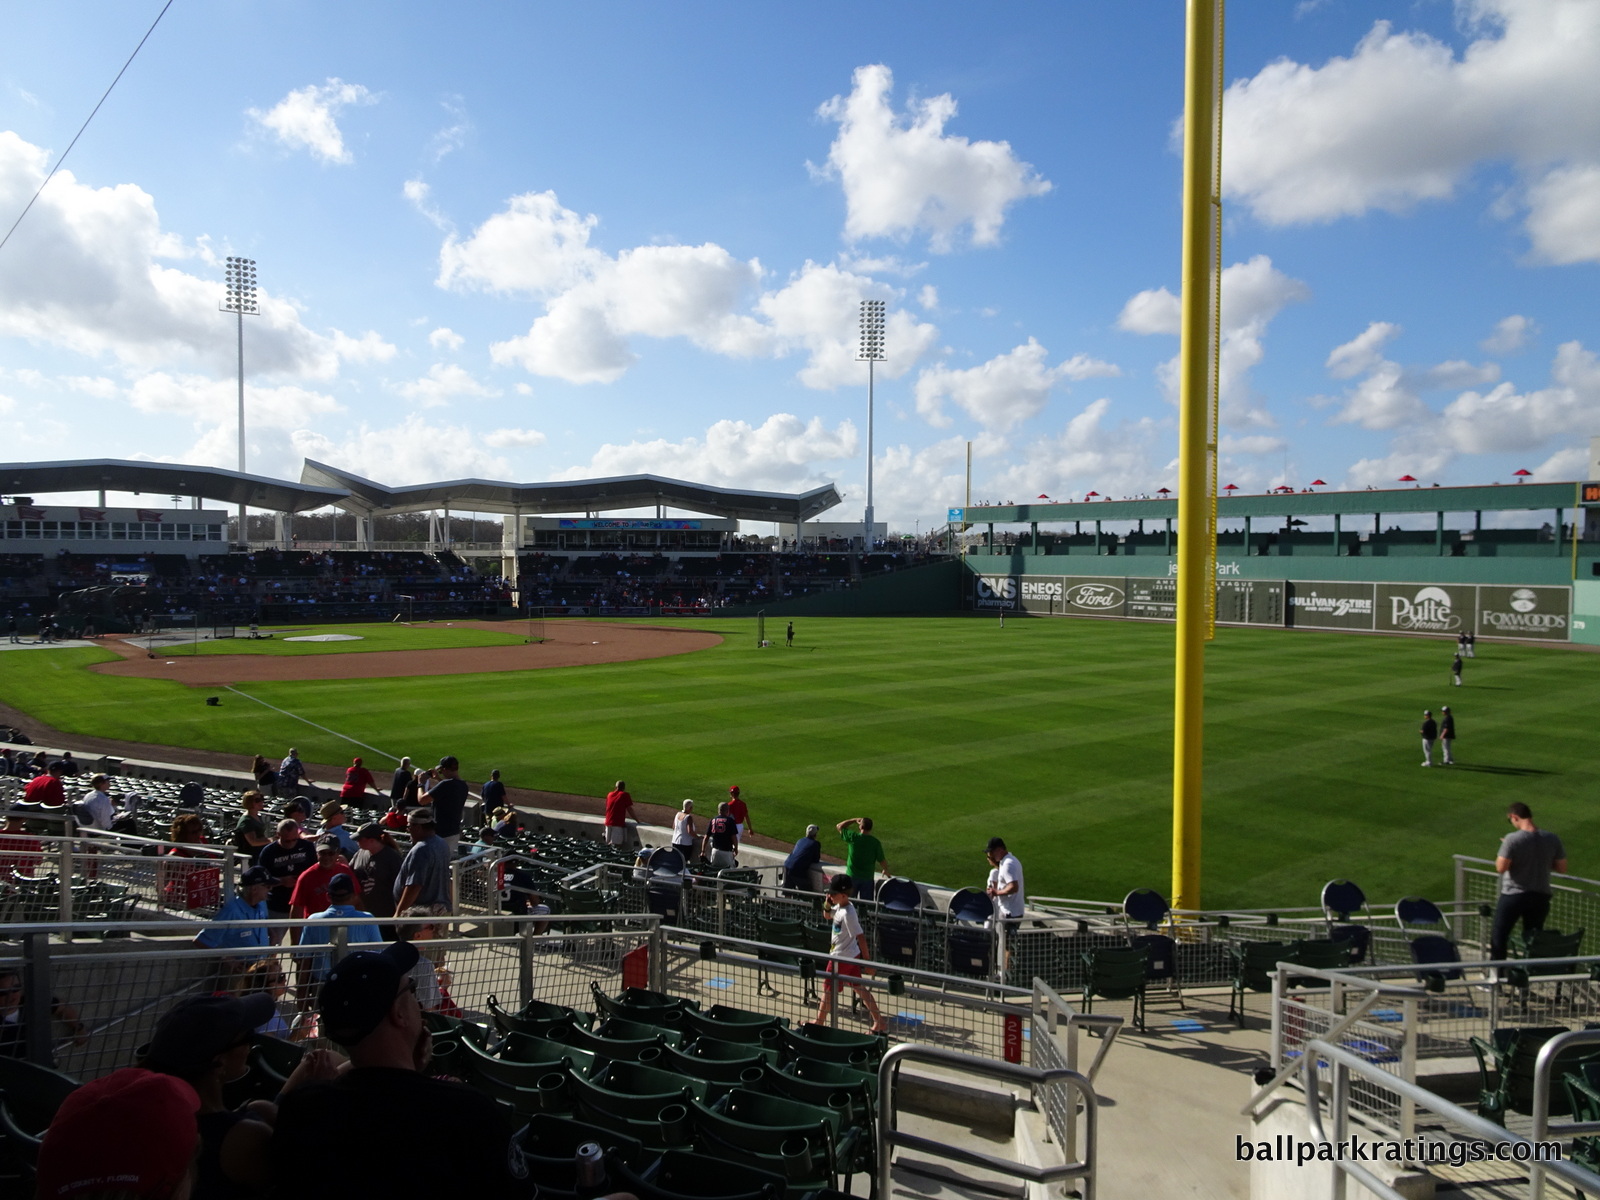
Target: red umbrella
1407 479
1042 496
1164 491
1091 495
1232 487
1522 473
1318 483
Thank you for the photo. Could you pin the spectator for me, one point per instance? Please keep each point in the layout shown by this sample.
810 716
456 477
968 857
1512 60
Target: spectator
429 973
619 807
425 873
310 893
739 812
1525 860
206 1041
333 823
285 860
403 775
494 792
136 1127
97 809
266 778
248 904
298 811
721 847
849 943
45 788
341 894
250 832
369 1006
21 854
14 1023
291 771
446 794
506 823
802 862
683 834
862 854
70 766
357 779
377 866
1005 888
173 875
7 756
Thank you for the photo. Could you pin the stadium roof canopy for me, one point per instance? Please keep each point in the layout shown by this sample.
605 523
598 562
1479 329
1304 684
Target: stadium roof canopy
164 479
576 495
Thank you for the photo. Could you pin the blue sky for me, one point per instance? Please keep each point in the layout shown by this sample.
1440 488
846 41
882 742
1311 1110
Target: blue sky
541 241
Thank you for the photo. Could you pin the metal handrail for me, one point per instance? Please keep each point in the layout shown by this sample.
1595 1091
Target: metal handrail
1342 1062
889 1137
1542 1128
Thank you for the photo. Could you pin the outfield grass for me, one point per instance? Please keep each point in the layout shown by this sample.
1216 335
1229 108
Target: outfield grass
1055 734
380 635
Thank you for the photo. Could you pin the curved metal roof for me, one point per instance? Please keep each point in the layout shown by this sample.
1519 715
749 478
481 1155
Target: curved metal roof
574 495
165 479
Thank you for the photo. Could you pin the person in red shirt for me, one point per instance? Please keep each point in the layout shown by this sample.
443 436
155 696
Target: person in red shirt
738 811
357 779
310 893
46 788
20 852
619 807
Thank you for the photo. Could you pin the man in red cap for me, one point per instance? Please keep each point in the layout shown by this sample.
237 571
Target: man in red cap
739 812
132 1133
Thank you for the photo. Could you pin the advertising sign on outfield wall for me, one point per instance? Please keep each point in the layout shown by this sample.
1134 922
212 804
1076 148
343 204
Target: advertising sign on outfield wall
997 591
1250 601
1525 612
1331 605
1426 607
1094 596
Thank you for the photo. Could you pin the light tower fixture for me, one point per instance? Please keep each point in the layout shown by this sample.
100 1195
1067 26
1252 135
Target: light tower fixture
239 298
871 351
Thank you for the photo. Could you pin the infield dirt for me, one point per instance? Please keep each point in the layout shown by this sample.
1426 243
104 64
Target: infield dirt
566 644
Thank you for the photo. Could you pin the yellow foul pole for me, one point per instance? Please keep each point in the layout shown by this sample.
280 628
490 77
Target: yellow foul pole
1197 431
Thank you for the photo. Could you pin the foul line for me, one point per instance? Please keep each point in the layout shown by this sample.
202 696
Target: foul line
313 724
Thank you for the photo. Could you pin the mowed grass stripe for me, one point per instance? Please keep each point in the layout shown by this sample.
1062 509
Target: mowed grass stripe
1055 734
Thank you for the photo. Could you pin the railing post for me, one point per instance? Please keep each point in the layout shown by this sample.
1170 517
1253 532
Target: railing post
1408 1066
36 1003
525 963
455 885
340 937
1461 899
230 866
64 872
1276 1045
1339 1109
658 958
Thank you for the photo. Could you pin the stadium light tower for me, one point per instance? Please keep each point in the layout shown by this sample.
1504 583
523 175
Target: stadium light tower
239 298
871 351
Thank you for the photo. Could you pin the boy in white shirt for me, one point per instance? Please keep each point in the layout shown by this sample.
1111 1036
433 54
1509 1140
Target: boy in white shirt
849 943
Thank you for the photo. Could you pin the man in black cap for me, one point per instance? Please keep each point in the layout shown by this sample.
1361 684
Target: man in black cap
1430 734
369 1007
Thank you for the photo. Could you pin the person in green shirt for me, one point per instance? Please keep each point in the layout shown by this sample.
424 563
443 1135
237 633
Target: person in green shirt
862 854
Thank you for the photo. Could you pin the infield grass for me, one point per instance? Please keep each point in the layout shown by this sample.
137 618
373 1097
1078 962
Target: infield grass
1055 734
377 635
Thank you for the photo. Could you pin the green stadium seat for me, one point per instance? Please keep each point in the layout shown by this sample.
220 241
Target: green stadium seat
1116 973
681 1175
834 1045
1254 964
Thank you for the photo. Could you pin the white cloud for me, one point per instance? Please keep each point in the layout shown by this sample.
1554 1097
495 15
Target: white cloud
928 298
904 174
1253 293
1361 353
1505 419
411 452
453 136
502 439
443 383
1564 215
368 348
1510 335
446 337
420 195
97 386
1006 390
1403 120
1388 396
306 119
87 271
215 401
783 453
1090 454
1259 443
596 303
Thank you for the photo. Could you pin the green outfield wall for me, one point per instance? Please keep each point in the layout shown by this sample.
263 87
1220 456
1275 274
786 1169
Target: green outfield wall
933 588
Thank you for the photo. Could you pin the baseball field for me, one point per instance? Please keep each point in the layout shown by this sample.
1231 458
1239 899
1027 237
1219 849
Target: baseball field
1055 734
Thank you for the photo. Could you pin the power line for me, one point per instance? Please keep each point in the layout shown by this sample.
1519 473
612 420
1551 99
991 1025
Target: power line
85 124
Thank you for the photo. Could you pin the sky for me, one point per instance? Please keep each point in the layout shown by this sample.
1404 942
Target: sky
537 242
